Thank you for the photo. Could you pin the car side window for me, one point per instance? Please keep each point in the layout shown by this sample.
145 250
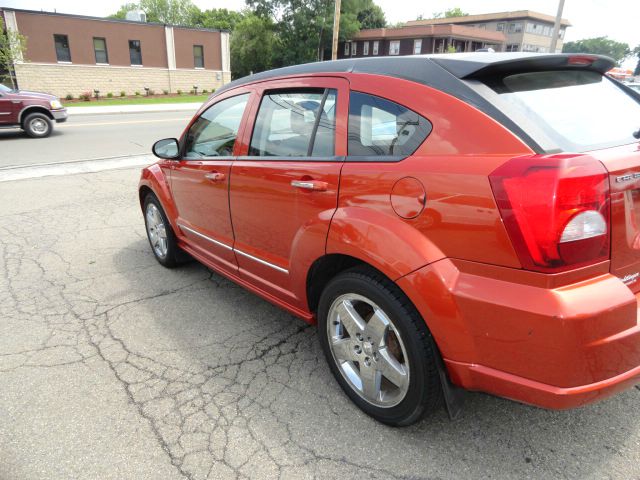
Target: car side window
381 128
295 123
214 133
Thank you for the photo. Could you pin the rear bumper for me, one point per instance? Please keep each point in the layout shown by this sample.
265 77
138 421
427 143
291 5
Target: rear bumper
520 336
60 116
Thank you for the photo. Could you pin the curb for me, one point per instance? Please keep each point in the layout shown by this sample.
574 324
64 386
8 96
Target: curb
115 109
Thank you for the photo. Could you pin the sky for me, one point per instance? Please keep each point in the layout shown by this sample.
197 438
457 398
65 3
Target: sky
617 19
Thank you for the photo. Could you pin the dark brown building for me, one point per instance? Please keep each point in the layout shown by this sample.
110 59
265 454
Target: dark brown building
420 39
70 54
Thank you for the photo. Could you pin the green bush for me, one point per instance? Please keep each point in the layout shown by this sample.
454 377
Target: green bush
137 93
123 93
204 91
110 95
179 92
69 97
166 92
85 96
192 91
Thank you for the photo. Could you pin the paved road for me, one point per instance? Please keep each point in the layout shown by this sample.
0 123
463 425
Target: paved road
92 136
113 367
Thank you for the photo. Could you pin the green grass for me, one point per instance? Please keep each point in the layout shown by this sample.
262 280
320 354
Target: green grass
137 101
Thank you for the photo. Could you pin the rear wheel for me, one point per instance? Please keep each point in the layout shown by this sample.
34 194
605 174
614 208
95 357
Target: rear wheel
378 347
38 125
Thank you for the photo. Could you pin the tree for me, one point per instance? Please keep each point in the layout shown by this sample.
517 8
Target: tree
600 46
452 12
12 48
636 52
253 45
372 17
174 12
219 18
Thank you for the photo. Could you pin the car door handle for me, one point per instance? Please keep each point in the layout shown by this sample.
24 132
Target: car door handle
215 176
316 185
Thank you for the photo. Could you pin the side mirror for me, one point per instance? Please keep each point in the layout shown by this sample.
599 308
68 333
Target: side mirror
167 148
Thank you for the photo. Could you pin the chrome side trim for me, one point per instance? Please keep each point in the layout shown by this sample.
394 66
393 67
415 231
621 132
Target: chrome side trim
224 245
220 244
263 262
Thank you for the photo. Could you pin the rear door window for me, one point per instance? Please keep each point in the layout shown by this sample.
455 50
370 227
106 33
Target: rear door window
577 110
382 130
295 123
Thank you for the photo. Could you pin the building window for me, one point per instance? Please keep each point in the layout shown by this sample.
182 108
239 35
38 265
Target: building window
198 56
365 48
100 49
515 27
417 46
63 53
375 47
346 48
354 48
135 52
513 47
500 27
394 47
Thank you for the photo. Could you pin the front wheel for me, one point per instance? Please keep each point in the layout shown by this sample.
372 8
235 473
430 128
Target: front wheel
161 237
38 125
378 347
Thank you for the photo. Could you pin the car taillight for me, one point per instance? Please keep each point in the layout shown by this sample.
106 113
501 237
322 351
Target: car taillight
555 209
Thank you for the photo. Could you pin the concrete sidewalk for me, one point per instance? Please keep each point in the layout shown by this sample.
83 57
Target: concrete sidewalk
156 107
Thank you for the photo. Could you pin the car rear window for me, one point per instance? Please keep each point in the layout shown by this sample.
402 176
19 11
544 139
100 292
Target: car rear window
379 128
577 110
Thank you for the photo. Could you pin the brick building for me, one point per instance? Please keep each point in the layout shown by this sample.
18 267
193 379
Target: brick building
70 54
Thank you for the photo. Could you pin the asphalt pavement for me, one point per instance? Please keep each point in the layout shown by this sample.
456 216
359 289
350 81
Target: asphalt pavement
92 136
113 367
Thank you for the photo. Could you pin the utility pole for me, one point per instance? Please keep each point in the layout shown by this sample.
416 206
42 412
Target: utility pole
336 31
556 27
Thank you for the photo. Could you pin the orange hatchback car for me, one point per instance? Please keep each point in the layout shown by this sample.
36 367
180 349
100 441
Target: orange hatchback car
466 221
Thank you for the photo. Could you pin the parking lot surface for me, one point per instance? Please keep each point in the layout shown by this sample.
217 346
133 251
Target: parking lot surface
113 367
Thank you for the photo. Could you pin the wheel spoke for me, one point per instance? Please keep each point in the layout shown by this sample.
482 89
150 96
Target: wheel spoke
391 369
376 328
351 320
343 349
370 378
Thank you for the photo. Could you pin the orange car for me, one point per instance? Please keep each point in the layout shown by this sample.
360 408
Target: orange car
466 221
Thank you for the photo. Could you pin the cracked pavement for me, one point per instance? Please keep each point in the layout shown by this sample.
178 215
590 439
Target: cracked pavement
113 367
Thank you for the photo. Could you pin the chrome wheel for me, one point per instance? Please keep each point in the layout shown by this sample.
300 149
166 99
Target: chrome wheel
39 126
157 231
368 350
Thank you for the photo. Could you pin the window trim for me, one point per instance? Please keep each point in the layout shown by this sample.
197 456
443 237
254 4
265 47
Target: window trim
416 42
347 49
354 49
376 47
195 65
365 48
68 47
394 42
293 158
95 51
140 51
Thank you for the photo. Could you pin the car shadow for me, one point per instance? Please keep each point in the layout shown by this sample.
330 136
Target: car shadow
190 319
16 133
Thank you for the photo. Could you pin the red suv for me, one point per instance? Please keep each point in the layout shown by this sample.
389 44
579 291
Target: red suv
33 112
466 221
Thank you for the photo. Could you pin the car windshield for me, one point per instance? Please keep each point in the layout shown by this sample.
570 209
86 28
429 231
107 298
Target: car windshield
578 110
4 89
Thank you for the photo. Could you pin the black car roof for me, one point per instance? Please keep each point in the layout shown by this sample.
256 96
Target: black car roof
447 72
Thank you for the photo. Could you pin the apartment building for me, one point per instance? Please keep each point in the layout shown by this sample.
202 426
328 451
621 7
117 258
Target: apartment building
420 39
524 30
70 54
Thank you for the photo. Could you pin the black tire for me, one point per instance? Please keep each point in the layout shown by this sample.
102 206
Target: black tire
424 392
174 255
37 125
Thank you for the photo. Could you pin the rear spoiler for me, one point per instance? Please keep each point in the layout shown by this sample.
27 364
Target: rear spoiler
497 64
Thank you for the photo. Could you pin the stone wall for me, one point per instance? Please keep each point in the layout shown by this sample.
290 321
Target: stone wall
63 79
